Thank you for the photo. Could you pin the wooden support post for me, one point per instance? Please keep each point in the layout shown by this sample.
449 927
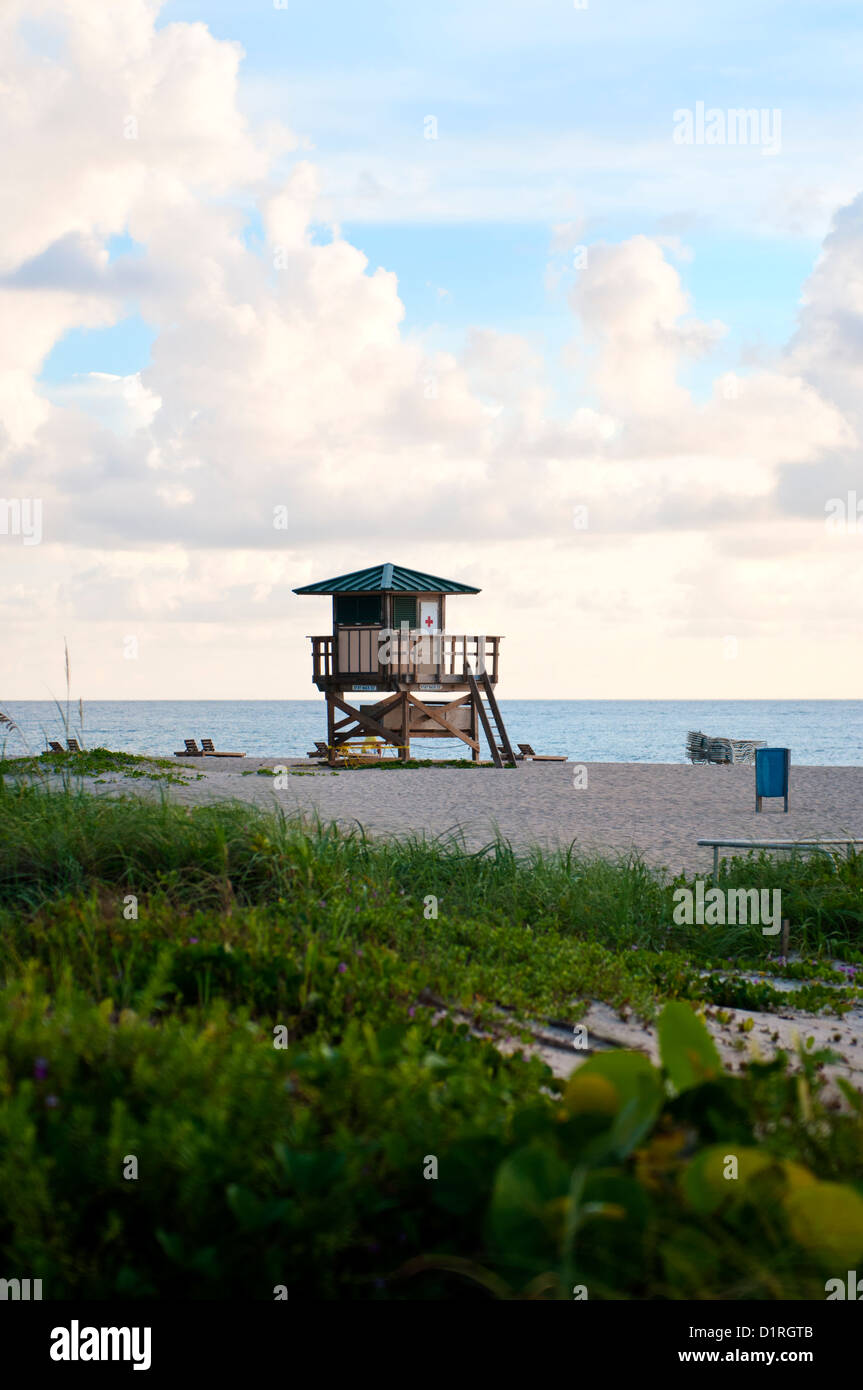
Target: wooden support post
406 727
331 725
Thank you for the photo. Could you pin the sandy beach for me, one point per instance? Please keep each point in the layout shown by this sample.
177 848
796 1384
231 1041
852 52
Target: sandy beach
660 810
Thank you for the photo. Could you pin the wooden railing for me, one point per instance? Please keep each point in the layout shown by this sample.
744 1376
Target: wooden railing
322 657
384 656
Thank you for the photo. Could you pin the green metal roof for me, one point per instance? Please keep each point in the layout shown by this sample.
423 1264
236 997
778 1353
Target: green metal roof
386 578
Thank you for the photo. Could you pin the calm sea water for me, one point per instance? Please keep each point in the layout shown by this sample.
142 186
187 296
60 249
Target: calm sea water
651 731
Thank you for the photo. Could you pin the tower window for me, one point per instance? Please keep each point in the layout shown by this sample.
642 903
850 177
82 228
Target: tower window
358 608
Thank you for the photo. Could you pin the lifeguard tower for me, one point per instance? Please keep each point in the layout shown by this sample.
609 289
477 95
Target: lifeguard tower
389 636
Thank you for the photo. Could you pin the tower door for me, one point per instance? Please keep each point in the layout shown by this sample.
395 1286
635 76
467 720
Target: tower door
430 615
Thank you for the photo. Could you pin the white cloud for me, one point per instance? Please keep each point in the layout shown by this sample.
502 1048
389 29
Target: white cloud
121 403
632 305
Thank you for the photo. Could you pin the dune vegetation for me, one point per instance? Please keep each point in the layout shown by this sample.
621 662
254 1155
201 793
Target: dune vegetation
235 1061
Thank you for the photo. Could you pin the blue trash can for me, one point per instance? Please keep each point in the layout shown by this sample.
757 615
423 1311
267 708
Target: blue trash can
772 773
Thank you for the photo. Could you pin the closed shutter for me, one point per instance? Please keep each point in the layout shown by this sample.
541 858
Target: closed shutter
404 610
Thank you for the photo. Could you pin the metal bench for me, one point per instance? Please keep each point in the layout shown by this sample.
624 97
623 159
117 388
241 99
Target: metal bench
825 845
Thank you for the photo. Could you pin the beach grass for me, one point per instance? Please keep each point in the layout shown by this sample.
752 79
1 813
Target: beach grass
93 762
150 954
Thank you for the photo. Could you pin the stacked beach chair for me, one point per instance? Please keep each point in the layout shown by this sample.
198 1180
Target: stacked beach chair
700 748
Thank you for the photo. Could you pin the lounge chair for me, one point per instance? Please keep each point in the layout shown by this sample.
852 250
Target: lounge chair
210 752
191 750
55 747
73 745
320 750
527 753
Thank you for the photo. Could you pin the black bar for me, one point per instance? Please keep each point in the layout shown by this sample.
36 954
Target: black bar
232 1337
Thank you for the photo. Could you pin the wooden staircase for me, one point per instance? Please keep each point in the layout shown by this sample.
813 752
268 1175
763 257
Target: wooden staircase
490 718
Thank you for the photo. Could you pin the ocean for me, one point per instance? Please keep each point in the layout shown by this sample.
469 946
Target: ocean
818 732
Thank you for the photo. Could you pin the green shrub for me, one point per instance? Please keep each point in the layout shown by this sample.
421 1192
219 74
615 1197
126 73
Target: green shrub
258 1166
149 953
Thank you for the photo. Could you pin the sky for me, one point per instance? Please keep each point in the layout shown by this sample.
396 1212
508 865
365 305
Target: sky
563 301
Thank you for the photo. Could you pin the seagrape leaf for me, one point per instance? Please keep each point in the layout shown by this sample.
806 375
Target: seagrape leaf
707 1187
524 1210
590 1094
688 1052
827 1218
625 1087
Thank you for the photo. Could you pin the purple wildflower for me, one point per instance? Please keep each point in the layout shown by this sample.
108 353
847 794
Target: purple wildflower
40 1068
342 967
193 941
51 1101
411 1012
